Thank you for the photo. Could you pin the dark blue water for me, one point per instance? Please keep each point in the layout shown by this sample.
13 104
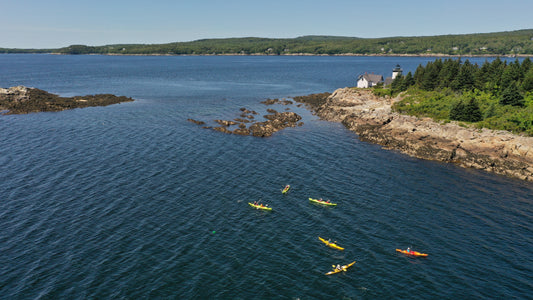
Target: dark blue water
131 201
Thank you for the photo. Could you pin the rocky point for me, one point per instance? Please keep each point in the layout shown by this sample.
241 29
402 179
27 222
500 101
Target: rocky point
372 118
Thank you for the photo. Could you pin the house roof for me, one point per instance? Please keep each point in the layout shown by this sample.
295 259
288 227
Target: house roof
372 77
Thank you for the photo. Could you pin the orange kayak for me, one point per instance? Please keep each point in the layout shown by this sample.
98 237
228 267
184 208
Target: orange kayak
411 253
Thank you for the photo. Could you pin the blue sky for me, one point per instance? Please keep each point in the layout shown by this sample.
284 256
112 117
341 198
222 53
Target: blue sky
60 23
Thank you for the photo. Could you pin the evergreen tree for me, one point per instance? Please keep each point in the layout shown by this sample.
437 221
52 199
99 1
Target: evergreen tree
419 74
398 84
527 84
448 72
409 80
511 96
511 73
469 112
472 111
482 77
465 78
457 111
496 69
430 77
526 66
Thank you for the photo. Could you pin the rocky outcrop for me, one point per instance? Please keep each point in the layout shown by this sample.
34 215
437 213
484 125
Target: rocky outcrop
225 122
23 100
374 121
275 121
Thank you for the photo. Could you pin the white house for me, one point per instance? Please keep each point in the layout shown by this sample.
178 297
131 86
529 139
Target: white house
368 80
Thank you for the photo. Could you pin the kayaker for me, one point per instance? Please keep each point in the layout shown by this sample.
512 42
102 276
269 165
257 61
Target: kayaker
338 267
408 250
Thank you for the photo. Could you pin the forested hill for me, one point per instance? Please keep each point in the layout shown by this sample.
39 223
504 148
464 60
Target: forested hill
518 42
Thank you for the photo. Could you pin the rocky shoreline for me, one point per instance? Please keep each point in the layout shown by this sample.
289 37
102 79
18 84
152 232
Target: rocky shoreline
373 120
23 100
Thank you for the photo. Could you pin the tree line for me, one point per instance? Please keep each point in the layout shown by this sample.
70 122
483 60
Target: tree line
518 42
497 94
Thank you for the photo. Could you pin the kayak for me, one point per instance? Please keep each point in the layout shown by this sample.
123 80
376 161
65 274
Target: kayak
342 269
260 206
412 253
332 245
322 202
286 189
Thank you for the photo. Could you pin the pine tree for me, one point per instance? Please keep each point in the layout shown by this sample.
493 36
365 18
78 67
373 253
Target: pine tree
419 74
430 77
472 111
469 112
398 84
511 73
448 72
511 96
482 77
409 80
465 78
527 84
457 111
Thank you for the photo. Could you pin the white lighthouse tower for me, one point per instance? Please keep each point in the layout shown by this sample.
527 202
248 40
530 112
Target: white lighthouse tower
396 71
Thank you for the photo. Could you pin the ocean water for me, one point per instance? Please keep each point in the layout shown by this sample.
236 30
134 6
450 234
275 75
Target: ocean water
131 201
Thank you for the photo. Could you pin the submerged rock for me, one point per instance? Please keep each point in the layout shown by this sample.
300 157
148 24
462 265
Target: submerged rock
223 129
276 101
196 122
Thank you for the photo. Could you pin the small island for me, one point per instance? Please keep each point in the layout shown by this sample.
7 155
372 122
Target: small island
24 100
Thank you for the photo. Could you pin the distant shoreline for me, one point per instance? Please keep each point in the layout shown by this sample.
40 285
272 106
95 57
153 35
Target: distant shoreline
301 54
517 43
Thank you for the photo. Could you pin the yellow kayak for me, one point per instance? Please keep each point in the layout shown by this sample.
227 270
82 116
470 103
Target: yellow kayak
260 206
332 245
342 269
286 189
319 201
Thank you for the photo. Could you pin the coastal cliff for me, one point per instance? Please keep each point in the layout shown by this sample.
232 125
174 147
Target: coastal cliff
372 118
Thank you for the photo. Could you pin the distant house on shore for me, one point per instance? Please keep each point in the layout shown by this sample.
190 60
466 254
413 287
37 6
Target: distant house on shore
368 80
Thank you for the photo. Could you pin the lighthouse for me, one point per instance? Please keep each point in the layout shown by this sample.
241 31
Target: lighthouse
396 71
